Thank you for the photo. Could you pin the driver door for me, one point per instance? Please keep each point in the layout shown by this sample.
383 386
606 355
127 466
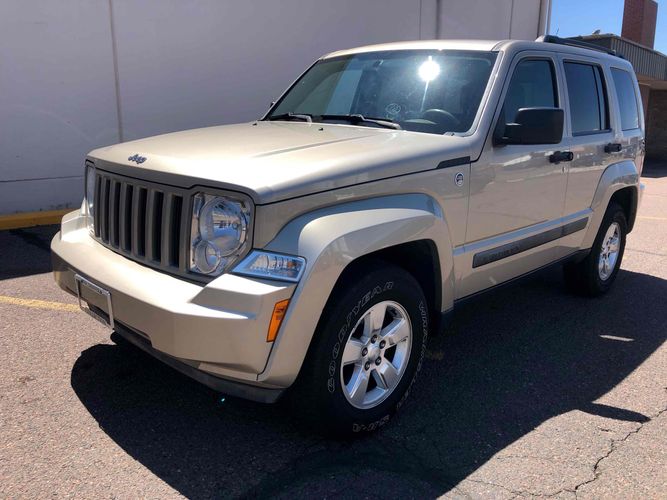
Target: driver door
517 192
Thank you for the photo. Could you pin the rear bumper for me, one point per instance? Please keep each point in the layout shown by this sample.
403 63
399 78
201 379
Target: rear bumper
215 333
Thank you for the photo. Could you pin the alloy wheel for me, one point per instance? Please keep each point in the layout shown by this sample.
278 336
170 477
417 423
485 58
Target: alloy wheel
376 355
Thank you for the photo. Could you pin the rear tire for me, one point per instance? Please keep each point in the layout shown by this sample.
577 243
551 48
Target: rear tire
366 352
595 274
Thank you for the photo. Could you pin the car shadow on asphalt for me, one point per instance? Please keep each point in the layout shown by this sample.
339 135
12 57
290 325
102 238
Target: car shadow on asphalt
508 362
26 252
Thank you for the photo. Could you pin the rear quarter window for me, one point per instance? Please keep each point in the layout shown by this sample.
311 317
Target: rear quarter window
627 98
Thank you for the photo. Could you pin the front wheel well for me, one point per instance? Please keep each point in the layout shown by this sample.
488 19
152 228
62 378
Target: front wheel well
419 258
627 199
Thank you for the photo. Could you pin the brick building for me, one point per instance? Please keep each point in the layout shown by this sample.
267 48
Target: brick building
639 17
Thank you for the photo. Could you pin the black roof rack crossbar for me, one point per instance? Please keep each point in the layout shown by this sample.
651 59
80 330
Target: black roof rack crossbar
577 43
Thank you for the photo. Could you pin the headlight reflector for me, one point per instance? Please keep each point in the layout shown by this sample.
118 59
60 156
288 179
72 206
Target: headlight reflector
219 232
207 257
271 265
223 222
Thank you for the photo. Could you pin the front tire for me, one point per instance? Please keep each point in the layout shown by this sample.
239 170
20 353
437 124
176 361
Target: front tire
366 352
595 274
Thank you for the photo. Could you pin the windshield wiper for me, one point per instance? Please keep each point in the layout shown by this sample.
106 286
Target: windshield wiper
357 118
292 116
352 118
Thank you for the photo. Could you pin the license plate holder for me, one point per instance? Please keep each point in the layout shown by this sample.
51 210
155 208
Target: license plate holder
81 283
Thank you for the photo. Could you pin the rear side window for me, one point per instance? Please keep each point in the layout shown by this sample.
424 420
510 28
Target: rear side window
627 98
533 85
588 98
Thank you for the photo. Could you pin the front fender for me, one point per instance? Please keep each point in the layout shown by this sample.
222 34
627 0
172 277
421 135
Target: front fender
330 239
615 177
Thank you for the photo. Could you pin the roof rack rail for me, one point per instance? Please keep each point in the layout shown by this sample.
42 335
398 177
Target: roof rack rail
576 43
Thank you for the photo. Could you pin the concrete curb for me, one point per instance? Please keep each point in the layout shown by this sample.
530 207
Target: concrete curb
29 219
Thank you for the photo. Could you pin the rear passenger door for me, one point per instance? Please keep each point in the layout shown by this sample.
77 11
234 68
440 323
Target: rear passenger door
589 134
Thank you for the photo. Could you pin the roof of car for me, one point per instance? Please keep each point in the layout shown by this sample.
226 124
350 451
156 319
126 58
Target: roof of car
486 45
556 45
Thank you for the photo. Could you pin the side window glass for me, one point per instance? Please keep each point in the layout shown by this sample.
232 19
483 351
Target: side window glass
533 85
588 98
627 98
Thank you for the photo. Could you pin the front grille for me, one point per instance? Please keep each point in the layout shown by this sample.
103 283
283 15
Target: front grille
143 221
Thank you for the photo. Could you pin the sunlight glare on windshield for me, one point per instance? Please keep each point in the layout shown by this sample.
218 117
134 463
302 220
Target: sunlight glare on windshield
429 70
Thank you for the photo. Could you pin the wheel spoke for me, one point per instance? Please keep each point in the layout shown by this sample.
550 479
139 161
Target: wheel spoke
374 319
352 351
358 386
387 375
397 331
613 244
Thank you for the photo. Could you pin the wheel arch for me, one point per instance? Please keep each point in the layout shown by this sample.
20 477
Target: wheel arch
628 199
619 182
335 241
419 258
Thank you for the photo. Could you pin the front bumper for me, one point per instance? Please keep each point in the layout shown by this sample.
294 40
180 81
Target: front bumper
215 333
229 387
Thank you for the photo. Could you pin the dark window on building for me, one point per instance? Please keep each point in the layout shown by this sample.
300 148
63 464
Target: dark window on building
533 85
627 98
588 98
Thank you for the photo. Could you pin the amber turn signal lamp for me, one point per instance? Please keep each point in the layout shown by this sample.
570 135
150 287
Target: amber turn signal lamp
279 311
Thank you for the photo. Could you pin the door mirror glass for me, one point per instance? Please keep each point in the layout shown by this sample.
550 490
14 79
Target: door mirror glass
533 126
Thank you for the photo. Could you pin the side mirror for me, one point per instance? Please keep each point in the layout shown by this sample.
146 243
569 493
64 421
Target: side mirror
533 126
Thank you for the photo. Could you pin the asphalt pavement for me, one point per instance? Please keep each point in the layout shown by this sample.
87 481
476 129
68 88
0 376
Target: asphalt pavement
529 392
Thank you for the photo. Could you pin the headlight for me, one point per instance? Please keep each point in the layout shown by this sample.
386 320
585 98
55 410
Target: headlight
89 202
272 266
219 232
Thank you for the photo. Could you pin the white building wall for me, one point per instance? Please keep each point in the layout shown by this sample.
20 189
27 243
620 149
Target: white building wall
80 74
57 99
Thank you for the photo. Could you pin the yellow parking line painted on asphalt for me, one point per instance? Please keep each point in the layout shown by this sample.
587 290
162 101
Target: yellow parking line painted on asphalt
651 218
39 304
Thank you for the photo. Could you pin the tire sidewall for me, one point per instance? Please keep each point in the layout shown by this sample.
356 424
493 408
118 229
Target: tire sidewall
617 215
376 287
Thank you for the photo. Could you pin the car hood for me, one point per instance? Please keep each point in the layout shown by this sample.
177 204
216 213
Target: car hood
273 161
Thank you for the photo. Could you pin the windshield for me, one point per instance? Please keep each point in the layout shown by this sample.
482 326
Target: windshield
427 91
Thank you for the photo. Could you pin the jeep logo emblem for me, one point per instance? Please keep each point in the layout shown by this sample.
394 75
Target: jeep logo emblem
137 159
